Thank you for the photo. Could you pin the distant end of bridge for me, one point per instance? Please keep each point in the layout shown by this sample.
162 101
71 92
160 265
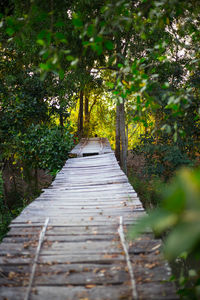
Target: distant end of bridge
91 146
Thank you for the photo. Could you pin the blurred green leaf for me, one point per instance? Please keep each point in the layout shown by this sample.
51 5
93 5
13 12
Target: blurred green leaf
10 31
109 45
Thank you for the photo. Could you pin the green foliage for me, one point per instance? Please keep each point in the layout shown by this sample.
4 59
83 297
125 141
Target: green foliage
36 147
1 186
162 158
179 216
148 57
180 212
41 147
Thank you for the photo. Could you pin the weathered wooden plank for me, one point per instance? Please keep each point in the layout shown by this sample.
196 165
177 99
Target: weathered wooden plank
79 211
64 204
117 292
67 230
92 220
95 276
61 238
65 274
101 258
91 199
86 246
68 224
93 188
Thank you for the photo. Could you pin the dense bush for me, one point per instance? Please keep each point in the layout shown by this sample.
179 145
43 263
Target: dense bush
41 147
162 158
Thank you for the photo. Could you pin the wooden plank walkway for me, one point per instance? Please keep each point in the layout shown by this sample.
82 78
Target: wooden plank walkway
70 243
91 146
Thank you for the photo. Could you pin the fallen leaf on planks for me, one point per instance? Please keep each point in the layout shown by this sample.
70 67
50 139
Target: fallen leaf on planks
26 245
95 270
151 266
90 286
107 256
11 275
85 269
103 271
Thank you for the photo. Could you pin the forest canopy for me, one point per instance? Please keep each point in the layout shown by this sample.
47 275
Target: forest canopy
144 54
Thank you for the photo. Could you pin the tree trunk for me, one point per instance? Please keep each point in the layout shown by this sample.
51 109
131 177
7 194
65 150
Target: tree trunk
117 133
123 138
158 124
86 108
126 137
36 179
61 119
80 118
87 117
120 147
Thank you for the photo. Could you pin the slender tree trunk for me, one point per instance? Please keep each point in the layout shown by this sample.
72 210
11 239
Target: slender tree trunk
61 119
120 147
126 137
13 176
86 108
80 119
158 124
36 179
5 190
86 125
123 138
117 133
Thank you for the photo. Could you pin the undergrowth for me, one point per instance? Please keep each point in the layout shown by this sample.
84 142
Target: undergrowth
7 214
147 190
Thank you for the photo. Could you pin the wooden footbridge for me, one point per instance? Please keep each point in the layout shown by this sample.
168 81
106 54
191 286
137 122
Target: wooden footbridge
70 243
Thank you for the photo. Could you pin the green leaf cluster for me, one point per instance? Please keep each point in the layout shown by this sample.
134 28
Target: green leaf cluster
179 213
43 147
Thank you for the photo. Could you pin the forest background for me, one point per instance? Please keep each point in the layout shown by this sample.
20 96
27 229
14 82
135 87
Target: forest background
125 70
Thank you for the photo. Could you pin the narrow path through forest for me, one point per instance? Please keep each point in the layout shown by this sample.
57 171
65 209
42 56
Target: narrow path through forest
70 242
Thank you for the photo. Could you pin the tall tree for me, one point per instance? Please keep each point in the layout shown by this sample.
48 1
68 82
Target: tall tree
80 117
